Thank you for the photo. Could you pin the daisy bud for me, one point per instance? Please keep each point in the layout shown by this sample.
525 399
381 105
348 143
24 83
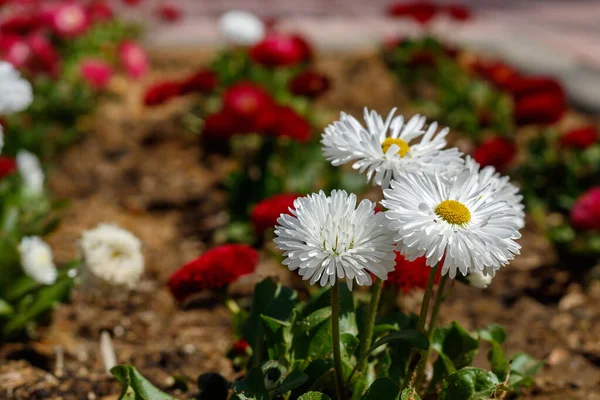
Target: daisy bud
36 260
479 280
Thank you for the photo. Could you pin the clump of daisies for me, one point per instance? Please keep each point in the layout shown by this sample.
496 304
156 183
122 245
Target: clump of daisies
111 256
37 260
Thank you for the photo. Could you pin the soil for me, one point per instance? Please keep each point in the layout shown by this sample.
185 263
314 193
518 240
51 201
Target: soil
138 168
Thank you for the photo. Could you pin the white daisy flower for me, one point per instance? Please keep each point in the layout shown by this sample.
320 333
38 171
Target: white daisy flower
15 92
31 172
459 219
36 260
111 256
241 28
328 238
501 186
385 148
480 280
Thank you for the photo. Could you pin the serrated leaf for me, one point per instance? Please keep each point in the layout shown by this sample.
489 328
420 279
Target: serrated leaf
314 396
469 384
135 386
382 389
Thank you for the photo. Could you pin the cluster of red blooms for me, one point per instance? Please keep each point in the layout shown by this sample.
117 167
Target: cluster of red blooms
7 166
585 214
580 138
281 50
423 12
496 151
202 81
410 275
31 30
264 215
537 99
215 269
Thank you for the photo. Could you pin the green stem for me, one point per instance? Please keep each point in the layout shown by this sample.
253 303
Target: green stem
423 316
367 337
439 299
335 337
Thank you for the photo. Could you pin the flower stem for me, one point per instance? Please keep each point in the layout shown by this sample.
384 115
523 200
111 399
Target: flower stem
439 299
367 337
422 318
335 337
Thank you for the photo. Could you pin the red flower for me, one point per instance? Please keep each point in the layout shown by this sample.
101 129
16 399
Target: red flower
290 124
203 81
99 11
410 275
264 215
277 50
240 346
161 92
496 151
133 59
580 138
459 12
14 50
585 214
215 269
221 125
96 72
500 74
69 20
420 11
246 99
539 108
310 84
45 58
422 58
168 12
525 86
22 24
7 166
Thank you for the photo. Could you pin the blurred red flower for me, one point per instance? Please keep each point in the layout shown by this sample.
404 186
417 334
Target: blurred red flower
420 11
161 92
580 138
410 275
539 108
14 49
23 23
45 58
246 99
220 125
422 58
459 12
203 81
499 73
288 123
96 72
132 2
310 84
7 166
527 85
168 12
240 346
278 49
99 11
133 59
585 214
215 269
496 151
69 19
264 215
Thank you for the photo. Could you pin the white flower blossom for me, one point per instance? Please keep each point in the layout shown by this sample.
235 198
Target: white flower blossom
241 28
480 280
37 260
111 256
31 172
15 92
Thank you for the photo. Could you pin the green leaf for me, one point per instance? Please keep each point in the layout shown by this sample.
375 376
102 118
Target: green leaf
456 348
212 386
314 396
469 384
382 389
135 386
291 382
410 336
495 335
316 372
522 369
6 309
252 387
409 394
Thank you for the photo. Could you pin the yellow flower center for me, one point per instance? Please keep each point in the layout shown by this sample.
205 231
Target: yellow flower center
388 142
453 212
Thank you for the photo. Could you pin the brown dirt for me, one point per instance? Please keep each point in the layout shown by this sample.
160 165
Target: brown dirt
138 168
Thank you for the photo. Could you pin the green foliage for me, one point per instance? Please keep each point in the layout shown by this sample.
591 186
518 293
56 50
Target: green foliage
135 386
469 384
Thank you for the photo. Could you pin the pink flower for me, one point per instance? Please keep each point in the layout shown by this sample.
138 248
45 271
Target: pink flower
45 58
168 12
14 49
585 214
99 11
277 50
96 72
133 59
69 20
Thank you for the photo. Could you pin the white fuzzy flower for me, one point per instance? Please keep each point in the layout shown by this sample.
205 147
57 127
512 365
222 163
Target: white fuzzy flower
501 186
31 172
111 256
36 260
456 218
480 280
385 148
241 28
328 238
15 92
1 138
